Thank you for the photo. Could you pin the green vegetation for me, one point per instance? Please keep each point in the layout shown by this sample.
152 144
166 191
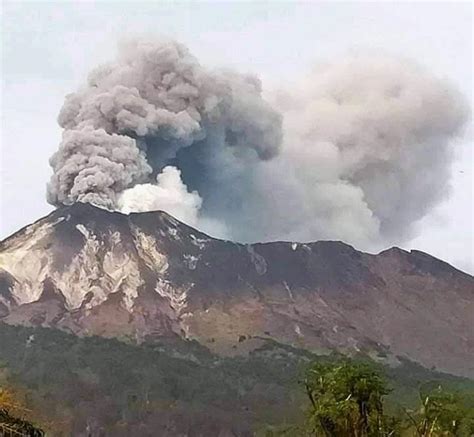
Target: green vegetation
442 413
348 398
114 388
109 387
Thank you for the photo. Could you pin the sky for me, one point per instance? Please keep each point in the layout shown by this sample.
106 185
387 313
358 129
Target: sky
48 48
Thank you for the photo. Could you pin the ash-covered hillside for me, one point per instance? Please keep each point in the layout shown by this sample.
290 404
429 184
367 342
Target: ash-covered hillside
90 271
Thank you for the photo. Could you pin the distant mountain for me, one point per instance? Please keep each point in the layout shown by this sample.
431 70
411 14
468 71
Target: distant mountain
143 276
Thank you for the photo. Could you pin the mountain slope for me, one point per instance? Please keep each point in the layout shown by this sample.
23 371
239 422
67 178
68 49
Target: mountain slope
91 271
92 386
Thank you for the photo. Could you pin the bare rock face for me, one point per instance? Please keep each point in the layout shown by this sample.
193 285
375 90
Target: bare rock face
91 271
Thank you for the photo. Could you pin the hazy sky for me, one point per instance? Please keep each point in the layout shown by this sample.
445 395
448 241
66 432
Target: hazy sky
48 49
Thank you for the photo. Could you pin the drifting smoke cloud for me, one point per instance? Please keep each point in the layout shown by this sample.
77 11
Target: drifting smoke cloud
365 151
367 147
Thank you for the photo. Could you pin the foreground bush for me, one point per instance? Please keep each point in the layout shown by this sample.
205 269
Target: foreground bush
348 399
11 426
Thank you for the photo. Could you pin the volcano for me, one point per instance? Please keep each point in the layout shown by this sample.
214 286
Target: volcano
141 276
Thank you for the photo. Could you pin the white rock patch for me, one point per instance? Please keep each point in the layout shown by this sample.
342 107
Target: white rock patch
177 297
288 289
147 250
191 261
257 260
27 260
298 330
199 242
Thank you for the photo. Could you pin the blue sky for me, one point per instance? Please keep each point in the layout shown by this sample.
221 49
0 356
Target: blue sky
48 48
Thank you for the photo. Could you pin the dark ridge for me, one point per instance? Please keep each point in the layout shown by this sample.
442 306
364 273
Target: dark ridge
393 251
429 263
7 281
423 262
152 221
50 292
22 230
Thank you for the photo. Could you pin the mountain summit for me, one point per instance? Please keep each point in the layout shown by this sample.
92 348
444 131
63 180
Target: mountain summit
92 271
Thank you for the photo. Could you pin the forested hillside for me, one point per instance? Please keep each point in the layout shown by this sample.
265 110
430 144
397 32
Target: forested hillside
95 386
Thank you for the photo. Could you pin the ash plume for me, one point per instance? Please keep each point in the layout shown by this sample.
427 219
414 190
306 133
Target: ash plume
358 150
150 107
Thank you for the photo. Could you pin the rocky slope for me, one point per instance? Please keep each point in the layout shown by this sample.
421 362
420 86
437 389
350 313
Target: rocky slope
91 271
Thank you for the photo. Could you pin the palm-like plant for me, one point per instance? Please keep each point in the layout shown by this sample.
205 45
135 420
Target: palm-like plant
346 400
442 413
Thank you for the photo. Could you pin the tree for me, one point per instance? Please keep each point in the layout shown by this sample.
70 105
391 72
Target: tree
442 413
346 400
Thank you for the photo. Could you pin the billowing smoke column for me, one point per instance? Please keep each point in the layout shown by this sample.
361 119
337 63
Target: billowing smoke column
154 107
359 150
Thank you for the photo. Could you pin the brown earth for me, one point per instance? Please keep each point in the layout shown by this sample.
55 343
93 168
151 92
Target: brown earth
91 271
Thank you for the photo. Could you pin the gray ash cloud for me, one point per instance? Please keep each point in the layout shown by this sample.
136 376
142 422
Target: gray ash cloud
359 149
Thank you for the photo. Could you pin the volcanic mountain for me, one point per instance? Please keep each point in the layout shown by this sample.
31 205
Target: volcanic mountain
91 271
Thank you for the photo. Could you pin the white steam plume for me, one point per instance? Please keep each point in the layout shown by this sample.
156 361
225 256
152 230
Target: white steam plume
168 194
358 150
